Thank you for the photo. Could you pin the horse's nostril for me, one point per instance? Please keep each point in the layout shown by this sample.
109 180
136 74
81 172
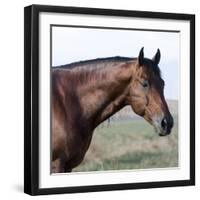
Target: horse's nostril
164 123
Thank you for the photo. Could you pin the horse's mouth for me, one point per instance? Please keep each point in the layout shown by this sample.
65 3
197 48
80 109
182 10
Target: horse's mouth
162 125
160 131
160 128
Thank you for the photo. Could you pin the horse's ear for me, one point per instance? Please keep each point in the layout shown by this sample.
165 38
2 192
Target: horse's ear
156 58
141 57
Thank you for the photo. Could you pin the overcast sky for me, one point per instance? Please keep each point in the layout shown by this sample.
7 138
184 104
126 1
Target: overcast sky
75 44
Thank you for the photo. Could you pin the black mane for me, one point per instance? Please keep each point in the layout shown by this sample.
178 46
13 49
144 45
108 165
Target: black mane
95 61
147 62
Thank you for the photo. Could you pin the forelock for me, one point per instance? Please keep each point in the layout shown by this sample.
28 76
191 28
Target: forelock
152 67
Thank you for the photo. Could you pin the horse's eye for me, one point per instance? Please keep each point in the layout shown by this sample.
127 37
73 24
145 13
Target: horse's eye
145 84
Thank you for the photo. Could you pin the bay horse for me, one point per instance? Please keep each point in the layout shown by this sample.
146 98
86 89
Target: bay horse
86 93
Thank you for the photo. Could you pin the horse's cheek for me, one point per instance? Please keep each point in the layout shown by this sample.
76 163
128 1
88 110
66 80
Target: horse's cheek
138 105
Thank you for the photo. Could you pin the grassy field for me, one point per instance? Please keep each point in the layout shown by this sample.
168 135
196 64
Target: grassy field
130 144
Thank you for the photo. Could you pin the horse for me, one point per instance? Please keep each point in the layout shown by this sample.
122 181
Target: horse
86 93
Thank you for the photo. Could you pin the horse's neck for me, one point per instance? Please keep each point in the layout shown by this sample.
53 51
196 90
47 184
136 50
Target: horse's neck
101 98
113 107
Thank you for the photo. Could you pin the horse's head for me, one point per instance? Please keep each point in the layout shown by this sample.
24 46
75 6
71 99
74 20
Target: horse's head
146 94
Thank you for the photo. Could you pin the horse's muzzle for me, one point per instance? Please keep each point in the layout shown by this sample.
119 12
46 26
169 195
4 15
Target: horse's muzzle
166 125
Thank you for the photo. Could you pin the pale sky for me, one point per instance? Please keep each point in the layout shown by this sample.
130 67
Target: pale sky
76 44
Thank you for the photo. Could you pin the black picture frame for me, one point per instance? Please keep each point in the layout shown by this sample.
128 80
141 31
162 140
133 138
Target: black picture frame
31 98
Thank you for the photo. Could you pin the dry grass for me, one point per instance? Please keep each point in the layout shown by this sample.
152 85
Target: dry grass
130 144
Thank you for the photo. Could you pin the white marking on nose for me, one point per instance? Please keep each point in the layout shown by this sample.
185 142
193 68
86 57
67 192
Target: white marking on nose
157 122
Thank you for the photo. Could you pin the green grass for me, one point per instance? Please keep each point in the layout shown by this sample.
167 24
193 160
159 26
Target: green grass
130 144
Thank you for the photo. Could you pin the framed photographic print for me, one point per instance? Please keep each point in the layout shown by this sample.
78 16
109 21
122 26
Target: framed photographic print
109 99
